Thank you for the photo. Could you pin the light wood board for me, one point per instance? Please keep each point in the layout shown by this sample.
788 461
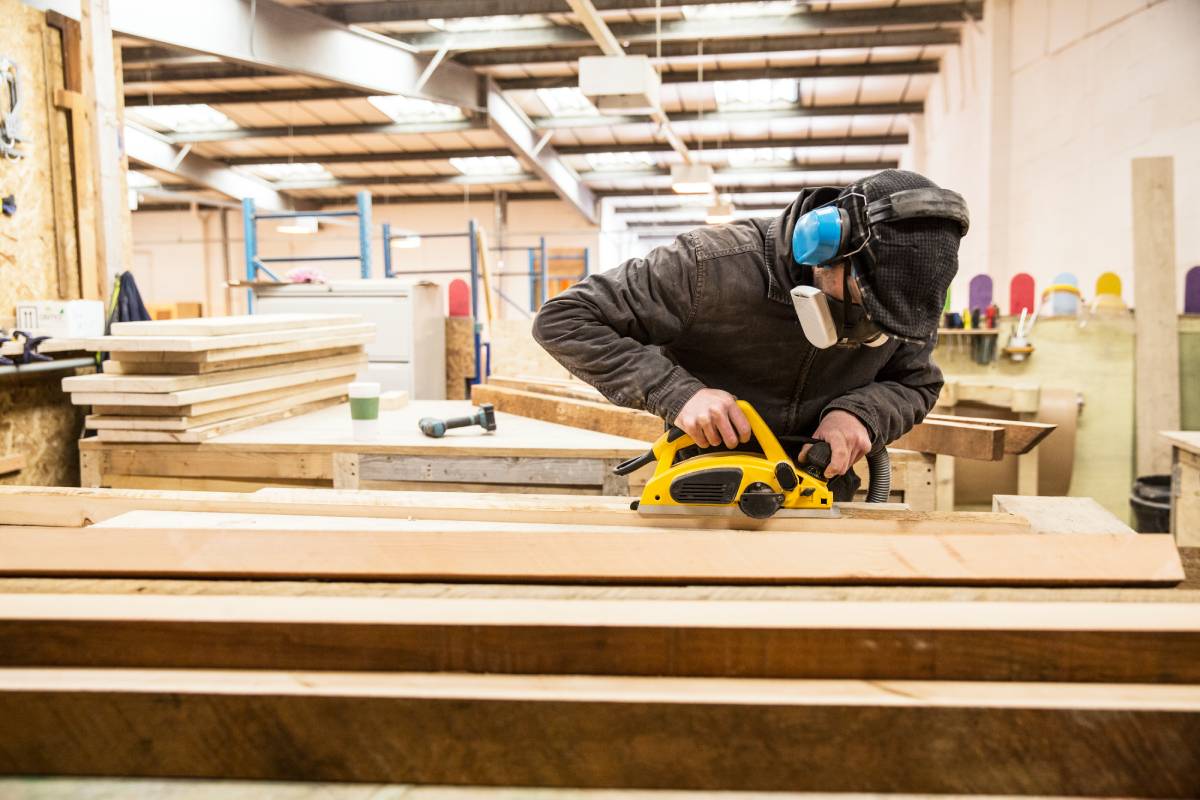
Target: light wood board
235 357
337 367
195 344
155 384
1020 437
228 326
301 403
1002 641
605 732
477 551
1061 514
284 399
67 507
594 416
114 367
955 439
214 409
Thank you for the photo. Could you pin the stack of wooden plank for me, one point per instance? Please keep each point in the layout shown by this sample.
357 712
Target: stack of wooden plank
575 403
155 669
189 380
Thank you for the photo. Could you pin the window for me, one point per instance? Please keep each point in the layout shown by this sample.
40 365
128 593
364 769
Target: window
411 109
189 118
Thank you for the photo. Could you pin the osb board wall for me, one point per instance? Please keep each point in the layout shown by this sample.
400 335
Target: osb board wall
36 418
514 352
1189 372
1096 361
460 356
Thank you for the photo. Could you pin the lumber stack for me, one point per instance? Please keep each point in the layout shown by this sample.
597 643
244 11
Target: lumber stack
570 402
514 685
189 380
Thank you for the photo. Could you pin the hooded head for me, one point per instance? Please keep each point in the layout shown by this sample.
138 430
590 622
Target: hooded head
906 266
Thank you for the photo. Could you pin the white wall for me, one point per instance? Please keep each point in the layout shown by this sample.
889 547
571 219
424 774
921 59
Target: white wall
1044 159
177 254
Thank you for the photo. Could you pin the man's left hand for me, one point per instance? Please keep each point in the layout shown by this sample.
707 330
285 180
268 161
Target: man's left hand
847 437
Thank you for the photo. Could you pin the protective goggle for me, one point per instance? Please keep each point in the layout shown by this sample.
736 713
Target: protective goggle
841 230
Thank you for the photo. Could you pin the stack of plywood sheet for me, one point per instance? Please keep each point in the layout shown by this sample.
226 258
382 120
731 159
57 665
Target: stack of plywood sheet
188 380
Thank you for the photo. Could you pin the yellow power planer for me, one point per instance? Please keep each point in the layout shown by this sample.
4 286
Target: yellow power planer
758 482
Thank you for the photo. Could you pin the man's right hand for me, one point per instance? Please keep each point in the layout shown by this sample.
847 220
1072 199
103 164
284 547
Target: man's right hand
712 417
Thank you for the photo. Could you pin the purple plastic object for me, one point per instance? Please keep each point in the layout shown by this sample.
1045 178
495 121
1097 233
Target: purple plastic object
979 291
1191 291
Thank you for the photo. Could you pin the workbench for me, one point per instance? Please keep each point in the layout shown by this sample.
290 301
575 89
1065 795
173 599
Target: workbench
319 449
1185 486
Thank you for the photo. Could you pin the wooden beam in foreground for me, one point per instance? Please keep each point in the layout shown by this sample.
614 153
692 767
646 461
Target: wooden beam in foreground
992 641
1019 436
504 552
605 732
73 508
958 439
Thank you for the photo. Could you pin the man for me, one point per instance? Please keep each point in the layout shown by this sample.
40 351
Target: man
823 318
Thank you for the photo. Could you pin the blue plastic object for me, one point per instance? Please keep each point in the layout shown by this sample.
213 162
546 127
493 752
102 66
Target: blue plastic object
817 236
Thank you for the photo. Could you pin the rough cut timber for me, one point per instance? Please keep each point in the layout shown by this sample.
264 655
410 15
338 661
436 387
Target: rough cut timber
234 357
596 416
1020 437
228 326
154 384
504 552
293 405
605 732
68 507
958 439
123 367
168 347
992 641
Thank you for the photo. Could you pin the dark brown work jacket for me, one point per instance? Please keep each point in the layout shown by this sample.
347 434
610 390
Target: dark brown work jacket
713 310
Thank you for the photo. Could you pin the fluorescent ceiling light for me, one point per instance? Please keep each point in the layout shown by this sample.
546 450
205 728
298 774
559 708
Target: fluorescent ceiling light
499 22
291 171
405 240
486 165
188 118
567 101
620 160
692 178
764 93
300 225
718 213
758 156
766 8
412 109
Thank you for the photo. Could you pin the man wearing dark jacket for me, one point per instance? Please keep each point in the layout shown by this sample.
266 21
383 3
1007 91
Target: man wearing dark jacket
823 318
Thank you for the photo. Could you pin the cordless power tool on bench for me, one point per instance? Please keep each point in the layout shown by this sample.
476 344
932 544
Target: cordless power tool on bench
758 480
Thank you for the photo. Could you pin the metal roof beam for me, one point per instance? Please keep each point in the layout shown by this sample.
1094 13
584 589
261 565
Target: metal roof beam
291 39
792 112
923 66
207 71
738 45
291 131
367 13
154 151
569 150
799 22
227 98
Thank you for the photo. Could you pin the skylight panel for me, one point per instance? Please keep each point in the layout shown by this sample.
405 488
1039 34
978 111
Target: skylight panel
500 22
184 118
767 8
621 160
293 171
412 109
567 101
486 165
764 93
759 156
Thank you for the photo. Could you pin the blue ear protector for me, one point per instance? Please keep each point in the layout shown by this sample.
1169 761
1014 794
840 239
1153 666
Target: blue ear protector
821 235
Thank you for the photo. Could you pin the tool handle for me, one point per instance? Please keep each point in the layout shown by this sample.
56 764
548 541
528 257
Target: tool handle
462 422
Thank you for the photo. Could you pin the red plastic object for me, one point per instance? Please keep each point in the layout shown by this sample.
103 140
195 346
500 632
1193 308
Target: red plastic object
460 298
1021 294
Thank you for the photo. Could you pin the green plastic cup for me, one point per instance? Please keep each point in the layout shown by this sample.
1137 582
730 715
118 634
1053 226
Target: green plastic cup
364 409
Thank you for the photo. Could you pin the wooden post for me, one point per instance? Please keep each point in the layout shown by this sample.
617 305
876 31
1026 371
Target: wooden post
1156 361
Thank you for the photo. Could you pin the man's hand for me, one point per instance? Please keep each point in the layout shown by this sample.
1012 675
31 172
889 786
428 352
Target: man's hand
847 437
712 417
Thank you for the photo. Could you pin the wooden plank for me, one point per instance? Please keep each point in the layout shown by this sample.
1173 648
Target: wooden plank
174 345
68 507
957 439
228 326
114 367
316 391
303 403
13 462
236 357
177 383
603 417
484 470
522 552
1156 361
1061 514
605 732
200 461
573 389
339 367
1020 436
1001 641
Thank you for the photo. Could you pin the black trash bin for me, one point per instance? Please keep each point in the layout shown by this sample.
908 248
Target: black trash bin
1151 502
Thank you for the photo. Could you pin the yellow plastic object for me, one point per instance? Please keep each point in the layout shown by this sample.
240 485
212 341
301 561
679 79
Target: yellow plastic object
1109 283
707 481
